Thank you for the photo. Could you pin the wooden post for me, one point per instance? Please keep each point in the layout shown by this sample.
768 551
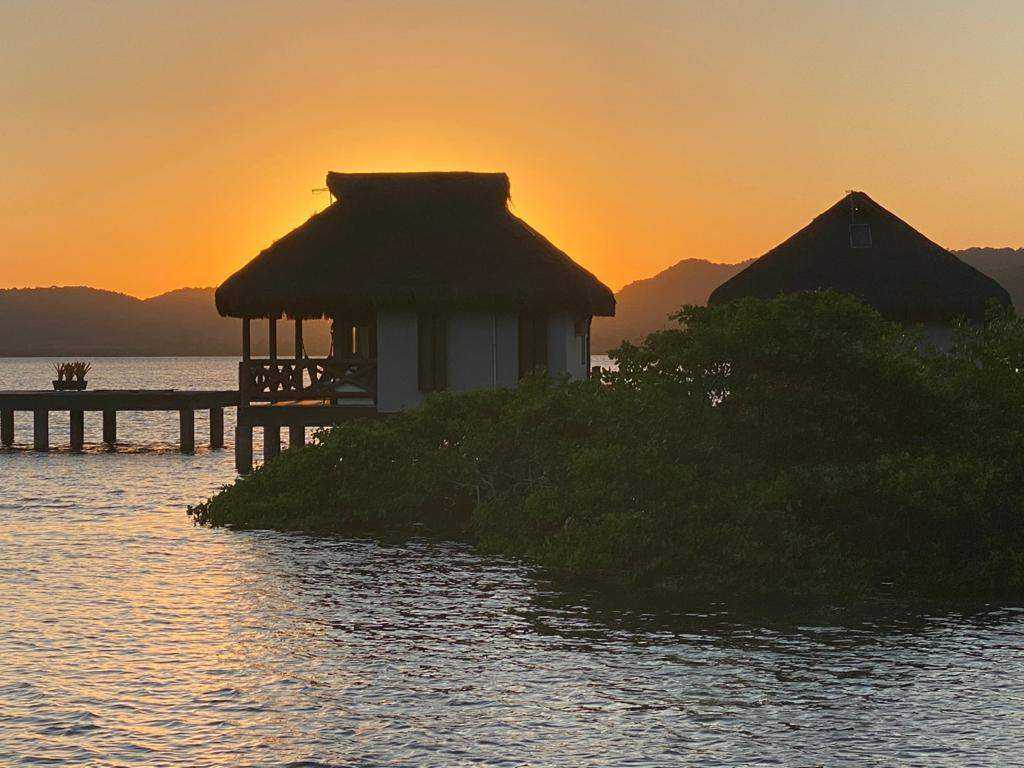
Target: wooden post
246 339
271 442
298 337
337 339
587 353
110 427
243 447
41 430
348 339
77 430
296 435
243 384
7 427
272 338
216 428
187 430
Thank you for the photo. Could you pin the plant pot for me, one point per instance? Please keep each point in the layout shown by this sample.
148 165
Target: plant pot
75 386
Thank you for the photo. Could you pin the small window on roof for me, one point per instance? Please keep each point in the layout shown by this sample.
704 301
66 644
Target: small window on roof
860 235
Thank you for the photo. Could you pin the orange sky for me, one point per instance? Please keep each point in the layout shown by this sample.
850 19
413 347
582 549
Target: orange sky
152 145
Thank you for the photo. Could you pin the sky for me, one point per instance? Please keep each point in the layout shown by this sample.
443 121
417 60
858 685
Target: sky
150 145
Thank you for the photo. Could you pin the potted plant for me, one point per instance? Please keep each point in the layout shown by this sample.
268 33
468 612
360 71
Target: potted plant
71 375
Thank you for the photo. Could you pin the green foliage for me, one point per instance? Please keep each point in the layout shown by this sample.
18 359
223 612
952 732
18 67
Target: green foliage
800 446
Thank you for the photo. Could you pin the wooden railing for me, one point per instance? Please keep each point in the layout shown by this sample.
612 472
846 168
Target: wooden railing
269 381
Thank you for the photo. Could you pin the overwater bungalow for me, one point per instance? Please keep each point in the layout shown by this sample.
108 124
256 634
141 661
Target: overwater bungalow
430 283
859 247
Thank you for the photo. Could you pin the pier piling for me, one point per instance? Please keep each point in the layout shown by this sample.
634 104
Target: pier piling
187 430
295 418
110 427
41 430
7 427
243 448
77 430
216 428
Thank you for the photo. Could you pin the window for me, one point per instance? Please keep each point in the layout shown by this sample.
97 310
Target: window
533 343
354 338
860 235
583 341
364 340
432 352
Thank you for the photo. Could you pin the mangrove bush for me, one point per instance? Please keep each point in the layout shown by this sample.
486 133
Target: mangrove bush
799 446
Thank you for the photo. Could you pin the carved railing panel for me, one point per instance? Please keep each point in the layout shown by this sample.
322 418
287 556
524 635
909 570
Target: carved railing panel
307 379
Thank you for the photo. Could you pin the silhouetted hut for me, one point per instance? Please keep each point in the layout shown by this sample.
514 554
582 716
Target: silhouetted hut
859 247
431 283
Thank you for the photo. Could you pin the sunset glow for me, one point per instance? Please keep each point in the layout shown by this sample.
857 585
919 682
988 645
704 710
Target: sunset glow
151 146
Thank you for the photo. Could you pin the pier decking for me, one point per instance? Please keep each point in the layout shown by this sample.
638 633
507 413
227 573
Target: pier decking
109 402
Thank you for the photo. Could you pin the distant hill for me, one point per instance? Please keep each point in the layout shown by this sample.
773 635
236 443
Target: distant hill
1006 265
88 322
644 305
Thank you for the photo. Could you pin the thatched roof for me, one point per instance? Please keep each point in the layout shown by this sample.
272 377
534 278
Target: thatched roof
415 239
859 247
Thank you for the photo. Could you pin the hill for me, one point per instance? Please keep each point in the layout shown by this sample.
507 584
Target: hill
89 322
1006 265
644 305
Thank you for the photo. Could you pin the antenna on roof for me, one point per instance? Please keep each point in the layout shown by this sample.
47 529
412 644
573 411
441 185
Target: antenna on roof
853 208
320 191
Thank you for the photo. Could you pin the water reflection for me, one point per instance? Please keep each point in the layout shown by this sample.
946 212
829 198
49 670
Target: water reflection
129 637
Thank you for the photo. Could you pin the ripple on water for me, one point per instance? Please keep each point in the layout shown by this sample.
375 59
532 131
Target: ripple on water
128 637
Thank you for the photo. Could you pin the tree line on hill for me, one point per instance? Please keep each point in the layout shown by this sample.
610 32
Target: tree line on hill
88 322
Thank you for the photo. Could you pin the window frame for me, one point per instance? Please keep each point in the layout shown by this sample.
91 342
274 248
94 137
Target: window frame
533 342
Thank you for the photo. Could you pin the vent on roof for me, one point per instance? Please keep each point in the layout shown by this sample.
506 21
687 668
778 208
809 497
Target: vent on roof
860 235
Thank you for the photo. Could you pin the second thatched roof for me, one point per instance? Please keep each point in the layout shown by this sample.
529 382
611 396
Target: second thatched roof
859 247
416 239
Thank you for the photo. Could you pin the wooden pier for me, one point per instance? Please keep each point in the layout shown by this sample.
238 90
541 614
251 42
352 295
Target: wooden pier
299 392
110 402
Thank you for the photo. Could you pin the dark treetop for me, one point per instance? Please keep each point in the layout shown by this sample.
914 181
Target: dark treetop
415 239
859 247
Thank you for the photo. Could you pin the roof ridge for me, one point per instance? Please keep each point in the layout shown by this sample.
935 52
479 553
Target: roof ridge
463 186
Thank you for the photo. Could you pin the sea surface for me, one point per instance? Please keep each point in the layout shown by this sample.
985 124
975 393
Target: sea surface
128 637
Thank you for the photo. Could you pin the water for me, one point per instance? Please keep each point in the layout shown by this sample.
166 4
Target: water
130 638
